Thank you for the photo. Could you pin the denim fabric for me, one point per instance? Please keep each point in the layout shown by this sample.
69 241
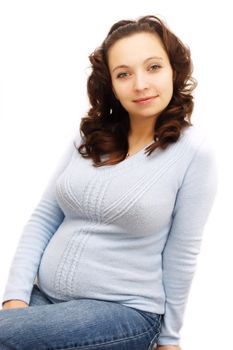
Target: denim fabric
85 324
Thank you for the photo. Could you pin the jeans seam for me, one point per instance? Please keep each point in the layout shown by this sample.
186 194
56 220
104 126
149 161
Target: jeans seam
158 324
152 344
106 343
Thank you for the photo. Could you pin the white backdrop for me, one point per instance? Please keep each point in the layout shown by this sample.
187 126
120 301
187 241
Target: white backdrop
44 47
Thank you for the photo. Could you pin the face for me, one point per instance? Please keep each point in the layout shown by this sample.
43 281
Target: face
142 77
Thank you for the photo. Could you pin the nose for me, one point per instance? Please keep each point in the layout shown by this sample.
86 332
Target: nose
140 81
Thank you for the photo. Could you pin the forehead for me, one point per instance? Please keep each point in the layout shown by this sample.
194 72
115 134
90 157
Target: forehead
136 47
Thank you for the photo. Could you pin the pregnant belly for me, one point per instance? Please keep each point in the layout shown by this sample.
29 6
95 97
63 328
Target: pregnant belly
59 266
82 261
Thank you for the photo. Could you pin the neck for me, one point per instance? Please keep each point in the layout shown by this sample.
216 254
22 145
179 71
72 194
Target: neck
135 145
140 138
141 131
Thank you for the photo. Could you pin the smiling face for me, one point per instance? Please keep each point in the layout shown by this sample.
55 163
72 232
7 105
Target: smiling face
142 77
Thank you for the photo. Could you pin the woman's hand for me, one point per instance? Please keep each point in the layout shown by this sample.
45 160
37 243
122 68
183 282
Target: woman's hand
13 304
168 347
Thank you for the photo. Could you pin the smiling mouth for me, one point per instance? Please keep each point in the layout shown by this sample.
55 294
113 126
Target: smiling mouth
145 99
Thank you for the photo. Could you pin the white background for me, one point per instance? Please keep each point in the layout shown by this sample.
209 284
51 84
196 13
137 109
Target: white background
44 47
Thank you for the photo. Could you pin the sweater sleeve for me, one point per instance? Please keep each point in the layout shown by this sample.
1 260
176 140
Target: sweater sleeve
44 221
192 207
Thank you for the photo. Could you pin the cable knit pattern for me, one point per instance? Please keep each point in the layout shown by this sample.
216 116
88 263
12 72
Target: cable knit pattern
128 233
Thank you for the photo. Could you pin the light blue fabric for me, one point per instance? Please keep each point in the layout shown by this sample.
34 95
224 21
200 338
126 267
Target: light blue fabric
128 233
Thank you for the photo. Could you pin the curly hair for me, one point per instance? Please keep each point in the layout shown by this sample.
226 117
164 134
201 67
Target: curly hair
106 126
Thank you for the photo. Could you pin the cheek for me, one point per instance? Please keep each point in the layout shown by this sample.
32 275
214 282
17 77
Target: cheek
121 91
170 87
166 84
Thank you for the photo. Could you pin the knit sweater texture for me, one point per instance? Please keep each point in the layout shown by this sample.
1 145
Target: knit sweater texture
128 233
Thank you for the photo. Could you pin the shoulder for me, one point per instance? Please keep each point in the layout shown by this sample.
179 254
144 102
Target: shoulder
197 142
193 136
202 163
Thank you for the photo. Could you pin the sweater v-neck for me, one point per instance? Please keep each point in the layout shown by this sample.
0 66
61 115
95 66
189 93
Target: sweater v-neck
139 150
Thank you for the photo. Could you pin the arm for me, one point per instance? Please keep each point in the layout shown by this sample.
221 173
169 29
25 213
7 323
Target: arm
193 204
44 221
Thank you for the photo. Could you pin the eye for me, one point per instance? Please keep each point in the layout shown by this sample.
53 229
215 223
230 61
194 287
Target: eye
122 75
154 67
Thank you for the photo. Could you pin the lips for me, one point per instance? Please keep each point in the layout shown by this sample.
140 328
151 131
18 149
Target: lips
144 99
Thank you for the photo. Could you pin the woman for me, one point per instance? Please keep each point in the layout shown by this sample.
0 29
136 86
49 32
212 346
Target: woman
107 259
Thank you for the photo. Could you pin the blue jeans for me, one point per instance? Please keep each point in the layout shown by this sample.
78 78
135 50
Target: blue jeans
85 324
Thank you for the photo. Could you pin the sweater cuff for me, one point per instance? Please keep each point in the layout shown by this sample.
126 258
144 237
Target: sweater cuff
168 341
17 296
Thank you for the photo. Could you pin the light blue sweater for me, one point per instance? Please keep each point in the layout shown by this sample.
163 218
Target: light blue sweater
128 233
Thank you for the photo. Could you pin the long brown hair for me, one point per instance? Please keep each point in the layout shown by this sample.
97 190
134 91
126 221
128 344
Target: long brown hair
106 127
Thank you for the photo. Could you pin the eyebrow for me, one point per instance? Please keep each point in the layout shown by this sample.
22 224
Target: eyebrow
147 59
